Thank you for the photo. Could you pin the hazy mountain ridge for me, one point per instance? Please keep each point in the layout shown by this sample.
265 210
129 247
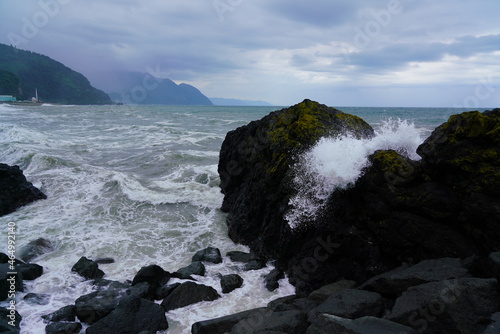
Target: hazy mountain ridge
144 88
54 81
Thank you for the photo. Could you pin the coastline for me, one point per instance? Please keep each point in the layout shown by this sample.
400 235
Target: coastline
120 184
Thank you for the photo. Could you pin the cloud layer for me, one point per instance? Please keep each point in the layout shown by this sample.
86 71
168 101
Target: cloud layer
380 53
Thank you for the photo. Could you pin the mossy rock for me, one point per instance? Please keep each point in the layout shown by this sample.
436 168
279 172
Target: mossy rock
465 151
292 130
255 167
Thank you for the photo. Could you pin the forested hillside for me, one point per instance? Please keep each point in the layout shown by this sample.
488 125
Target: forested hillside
54 81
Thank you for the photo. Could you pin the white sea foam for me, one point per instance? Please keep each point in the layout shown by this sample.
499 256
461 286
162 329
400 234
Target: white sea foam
6 107
337 162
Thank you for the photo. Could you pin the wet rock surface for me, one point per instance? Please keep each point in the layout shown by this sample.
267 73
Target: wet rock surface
16 191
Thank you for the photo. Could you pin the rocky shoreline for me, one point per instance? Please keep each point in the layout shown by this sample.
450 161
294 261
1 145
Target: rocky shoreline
411 247
433 296
138 305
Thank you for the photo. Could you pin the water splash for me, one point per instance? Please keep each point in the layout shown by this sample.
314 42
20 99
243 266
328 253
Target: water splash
337 162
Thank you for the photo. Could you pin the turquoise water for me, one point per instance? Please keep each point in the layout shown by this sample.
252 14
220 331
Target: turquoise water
138 184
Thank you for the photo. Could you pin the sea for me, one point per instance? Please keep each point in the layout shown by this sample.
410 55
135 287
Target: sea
139 184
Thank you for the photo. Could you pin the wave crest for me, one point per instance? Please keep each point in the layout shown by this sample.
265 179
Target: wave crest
337 162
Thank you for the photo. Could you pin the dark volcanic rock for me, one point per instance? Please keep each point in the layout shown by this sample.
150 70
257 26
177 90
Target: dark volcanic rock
66 313
456 306
494 326
393 283
195 268
164 291
324 292
292 322
254 168
63 328
35 248
271 279
293 303
16 191
96 305
254 265
351 304
209 254
154 275
230 282
329 324
189 293
237 256
224 324
30 271
445 205
87 268
132 315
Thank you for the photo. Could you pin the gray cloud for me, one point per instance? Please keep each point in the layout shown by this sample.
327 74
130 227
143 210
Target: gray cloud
275 50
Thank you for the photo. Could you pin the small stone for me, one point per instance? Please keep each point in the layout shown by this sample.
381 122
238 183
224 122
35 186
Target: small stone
195 268
209 254
272 279
231 282
254 265
87 269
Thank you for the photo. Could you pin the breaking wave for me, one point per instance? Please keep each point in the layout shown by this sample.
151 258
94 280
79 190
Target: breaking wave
337 162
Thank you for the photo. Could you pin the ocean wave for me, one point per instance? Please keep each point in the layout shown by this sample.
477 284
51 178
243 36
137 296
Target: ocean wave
337 162
197 185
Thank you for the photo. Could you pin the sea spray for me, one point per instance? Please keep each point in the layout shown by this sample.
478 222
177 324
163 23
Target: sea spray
337 162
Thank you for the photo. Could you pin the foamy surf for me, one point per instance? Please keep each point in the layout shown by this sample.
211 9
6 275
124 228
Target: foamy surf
337 162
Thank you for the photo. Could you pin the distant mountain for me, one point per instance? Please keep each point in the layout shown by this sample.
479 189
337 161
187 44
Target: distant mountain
218 101
144 88
54 81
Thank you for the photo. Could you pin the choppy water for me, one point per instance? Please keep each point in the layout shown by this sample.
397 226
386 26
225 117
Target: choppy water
138 184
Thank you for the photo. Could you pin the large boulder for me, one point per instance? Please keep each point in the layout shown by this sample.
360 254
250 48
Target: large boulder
66 313
96 305
209 254
457 306
367 325
351 304
154 276
291 322
230 282
223 324
30 271
255 170
16 191
132 315
63 328
195 268
87 268
394 282
189 293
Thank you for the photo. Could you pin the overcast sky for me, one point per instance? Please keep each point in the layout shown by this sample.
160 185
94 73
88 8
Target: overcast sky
342 53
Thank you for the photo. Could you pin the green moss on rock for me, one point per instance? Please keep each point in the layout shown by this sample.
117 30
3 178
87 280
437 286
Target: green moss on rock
299 127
